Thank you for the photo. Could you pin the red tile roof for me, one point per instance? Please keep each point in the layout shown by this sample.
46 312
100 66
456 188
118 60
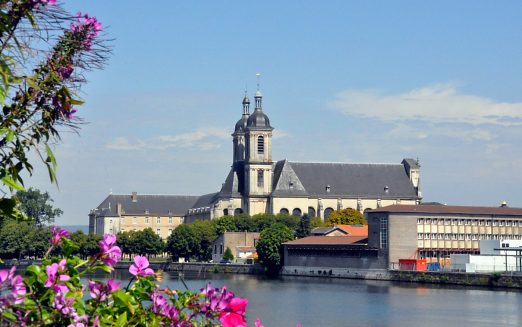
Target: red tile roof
355 230
443 209
327 240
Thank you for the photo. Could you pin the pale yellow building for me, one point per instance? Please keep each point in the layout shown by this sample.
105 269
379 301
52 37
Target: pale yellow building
120 213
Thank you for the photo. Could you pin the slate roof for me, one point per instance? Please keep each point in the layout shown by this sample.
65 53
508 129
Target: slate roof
445 209
155 204
206 200
355 180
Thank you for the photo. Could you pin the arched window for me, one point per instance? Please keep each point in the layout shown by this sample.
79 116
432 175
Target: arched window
260 178
238 211
311 212
296 212
225 212
260 145
327 212
283 211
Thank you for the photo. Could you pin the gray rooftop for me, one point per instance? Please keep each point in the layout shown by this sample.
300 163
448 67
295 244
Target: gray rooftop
153 204
342 179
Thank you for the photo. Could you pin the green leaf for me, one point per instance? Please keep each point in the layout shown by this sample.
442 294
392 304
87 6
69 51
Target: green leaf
122 320
68 247
11 183
77 102
52 167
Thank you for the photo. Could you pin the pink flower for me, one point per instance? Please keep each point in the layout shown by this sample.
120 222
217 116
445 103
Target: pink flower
257 323
234 314
140 267
100 292
110 253
57 234
18 289
3 275
52 273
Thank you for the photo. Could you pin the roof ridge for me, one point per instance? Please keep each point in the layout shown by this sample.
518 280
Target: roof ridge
344 163
147 194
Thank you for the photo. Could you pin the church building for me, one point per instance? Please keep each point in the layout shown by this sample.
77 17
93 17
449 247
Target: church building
258 184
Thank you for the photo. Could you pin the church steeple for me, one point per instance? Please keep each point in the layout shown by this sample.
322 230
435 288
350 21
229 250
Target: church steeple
258 97
246 105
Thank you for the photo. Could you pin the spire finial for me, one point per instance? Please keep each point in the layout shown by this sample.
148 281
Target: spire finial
258 75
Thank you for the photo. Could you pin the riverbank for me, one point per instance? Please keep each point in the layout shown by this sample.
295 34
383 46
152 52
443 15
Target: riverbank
200 267
500 280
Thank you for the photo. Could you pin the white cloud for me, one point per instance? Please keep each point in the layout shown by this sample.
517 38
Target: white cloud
440 103
405 131
203 138
122 143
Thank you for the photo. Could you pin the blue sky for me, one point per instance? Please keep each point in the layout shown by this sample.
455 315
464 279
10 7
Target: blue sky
343 81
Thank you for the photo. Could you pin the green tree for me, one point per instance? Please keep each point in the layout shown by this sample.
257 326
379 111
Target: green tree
263 221
303 229
346 216
316 222
289 221
226 224
148 242
15 239
269 247
39 241
228 254
38 206
183 242
205 231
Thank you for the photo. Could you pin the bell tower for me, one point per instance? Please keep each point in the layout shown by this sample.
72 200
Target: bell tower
258 159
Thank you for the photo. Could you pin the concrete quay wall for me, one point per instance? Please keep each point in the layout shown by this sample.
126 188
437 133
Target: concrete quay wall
506 280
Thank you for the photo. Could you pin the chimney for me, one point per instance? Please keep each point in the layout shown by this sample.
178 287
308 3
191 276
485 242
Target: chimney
134 196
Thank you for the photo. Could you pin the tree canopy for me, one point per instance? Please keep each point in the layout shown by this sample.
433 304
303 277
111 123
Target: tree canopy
269 247
38 206
346 216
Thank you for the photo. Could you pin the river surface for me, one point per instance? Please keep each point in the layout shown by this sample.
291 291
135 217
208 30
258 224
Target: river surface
348 302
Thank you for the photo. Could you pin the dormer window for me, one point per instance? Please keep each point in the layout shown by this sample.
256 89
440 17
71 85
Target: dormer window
260 145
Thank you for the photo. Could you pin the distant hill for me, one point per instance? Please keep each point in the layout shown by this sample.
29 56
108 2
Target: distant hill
74 228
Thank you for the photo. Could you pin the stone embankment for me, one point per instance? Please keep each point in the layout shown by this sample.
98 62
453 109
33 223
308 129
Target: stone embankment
502 280
199 267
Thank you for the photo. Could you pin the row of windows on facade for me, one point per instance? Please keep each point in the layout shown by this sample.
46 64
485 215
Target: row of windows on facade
146 220
296 212
469 222
455 236
158 230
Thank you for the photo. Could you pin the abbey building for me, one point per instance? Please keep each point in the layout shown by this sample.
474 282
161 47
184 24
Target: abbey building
258 184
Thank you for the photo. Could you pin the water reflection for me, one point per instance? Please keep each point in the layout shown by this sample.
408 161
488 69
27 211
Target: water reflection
339 302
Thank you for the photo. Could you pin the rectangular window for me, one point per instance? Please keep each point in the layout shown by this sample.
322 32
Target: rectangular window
170 220
170 231
158 220
467 221
454 221
433 236
488 222
428 221
461 221
502 223
221 249
446 236
260 178
134 220
508 223
447 221
419 236
420 221
146 220
440 236
158 231
384 232
495 222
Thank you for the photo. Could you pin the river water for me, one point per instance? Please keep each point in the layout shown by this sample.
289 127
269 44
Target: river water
347 302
